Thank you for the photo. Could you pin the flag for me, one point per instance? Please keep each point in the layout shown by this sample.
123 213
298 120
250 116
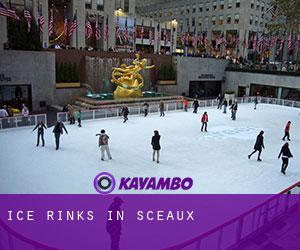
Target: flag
118 31
298 41
255 42
27 17
65 25
166 36
126 34
73 26
282 43
106 30
142 32
151 34
273 41
194 39
41 19
182 38
134 35
97 30
51 23
158 36
290 44
261 43
4 11
88 28
220 40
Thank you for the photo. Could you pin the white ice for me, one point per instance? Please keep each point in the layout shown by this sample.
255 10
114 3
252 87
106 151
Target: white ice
217 161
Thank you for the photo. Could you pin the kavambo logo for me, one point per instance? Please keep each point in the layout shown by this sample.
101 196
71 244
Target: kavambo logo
105 183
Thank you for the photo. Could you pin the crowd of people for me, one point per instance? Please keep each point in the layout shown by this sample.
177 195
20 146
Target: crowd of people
103 143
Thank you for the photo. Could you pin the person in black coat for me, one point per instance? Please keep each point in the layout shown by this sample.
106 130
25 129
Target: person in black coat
146 109
125 113
196 106
58 130
286 154
156 145
40 133
259 145
234 108
225 104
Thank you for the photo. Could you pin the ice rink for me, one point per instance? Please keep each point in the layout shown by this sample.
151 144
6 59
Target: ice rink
217 160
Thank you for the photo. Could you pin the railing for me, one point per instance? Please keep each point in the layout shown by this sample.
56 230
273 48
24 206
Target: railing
21 121
239 229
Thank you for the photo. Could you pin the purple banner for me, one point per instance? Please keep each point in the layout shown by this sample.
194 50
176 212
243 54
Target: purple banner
149 222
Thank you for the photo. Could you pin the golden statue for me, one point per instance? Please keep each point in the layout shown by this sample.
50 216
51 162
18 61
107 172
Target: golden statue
128 79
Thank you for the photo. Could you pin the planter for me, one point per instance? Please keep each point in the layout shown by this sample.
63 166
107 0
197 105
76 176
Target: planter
229 97
166 82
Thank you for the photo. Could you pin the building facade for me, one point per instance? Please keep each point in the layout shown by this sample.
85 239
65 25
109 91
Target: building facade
112 17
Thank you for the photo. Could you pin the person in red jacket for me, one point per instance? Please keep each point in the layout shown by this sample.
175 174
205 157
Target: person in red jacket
287 131
204 121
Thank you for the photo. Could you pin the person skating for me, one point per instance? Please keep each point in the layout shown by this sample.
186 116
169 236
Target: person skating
162 108
71 113
204 121
234 108
195 106
58 131
287 131
259 145
185 105
255 102
286 154
146 108
155 142
40 132
225 104
79 117
219 99
103 144
125 113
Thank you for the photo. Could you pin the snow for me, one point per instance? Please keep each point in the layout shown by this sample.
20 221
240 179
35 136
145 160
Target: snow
217 160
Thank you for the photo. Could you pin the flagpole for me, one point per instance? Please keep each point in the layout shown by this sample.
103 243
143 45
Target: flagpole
76 30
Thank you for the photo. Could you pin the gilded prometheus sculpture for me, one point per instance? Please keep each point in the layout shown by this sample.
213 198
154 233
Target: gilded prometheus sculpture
128 79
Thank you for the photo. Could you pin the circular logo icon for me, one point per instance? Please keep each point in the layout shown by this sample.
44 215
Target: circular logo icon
104 183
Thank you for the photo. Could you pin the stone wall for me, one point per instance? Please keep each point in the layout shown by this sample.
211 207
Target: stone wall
31 68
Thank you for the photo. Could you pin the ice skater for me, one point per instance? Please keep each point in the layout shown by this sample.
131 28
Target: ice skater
40 132
156 145
79 117
103 144
220 101
255 102
195 106
204 121
125 113
162 108
185 105
234 108
146 109
58 131
286 154
71 113
287 131
225 104
259 145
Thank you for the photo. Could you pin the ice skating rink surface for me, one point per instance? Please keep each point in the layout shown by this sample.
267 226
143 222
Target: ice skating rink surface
217 160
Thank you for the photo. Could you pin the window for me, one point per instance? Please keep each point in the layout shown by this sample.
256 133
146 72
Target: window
251 20
261 24
182 11
88 4
221 20
194 8
229 19
222 5
193 21
100 4
207 6
126 6
187 22
215 5
200 21
236 18
256 21
238 3
257 5
262 7
229 4
201 8
188 10
252 4
213 20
